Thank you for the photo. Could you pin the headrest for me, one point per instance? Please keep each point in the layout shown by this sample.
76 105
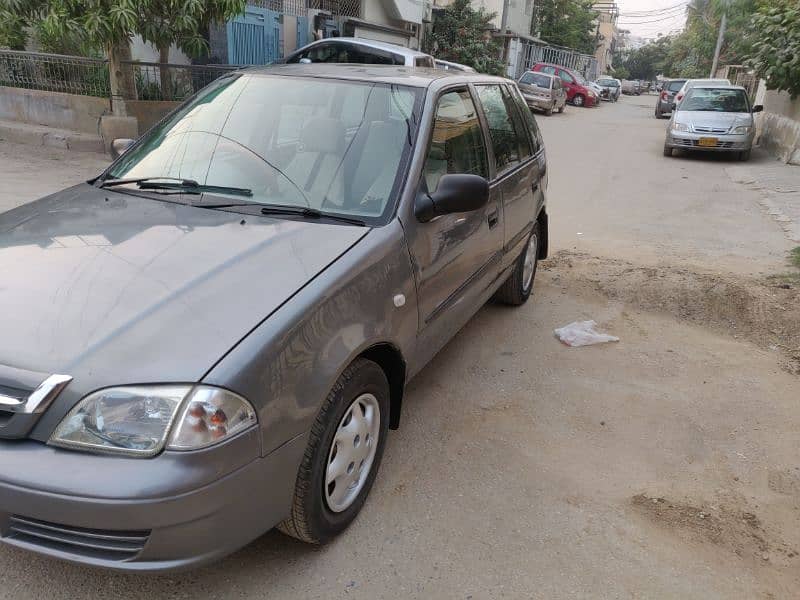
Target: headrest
323 134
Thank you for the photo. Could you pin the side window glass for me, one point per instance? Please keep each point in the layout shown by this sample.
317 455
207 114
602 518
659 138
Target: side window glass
530 122
550 70
457 143
519 125
501 128
567 77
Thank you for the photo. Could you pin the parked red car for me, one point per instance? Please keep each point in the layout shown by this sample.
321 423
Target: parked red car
578 92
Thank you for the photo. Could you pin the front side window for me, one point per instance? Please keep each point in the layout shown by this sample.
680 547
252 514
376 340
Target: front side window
501 127
335 146
566 77
529 122
457 144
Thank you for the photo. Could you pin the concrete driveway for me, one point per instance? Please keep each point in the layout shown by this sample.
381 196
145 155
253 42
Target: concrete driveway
664 466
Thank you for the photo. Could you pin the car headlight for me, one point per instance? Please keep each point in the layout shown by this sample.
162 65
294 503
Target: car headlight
143 420
680 127
741 129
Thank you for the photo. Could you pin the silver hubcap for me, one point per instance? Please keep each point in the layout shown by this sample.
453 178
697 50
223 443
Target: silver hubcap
352 452
530 262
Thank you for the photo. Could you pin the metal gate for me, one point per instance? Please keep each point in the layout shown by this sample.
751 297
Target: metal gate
254 38
302 31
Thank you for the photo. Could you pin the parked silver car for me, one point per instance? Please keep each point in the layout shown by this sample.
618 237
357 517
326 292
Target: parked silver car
213 337
355 50
715 119
543 91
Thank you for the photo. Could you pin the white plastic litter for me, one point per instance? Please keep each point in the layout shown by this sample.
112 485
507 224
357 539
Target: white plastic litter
583 333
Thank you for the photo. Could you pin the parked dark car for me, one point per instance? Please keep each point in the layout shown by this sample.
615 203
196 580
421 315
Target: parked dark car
667 97
578 93
213 336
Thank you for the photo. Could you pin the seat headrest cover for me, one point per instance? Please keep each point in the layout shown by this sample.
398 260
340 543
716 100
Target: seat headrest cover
323 134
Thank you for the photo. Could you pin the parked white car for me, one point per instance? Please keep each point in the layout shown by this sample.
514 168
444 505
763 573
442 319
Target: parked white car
359 51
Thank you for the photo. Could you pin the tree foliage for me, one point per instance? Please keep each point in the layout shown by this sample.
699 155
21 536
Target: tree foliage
461 34
776 49
690 53
569 23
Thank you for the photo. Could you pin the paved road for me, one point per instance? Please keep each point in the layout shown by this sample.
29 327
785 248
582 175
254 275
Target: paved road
524 469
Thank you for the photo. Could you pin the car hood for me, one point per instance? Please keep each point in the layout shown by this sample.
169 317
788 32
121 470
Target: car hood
117 288
714 120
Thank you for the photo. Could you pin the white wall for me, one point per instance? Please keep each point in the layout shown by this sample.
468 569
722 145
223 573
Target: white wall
148 53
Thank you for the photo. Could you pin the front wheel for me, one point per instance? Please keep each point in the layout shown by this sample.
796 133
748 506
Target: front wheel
578 100
343 454
667 150
549 111
518 287
744 156
562 107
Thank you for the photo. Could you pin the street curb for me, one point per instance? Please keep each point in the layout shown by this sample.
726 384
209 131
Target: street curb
39 135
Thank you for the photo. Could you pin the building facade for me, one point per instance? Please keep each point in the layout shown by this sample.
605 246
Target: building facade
606 35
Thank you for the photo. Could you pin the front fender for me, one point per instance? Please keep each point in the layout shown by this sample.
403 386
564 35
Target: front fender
287 365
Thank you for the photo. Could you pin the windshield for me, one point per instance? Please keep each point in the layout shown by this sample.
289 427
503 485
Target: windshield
537 79
330 145
715 100
674 86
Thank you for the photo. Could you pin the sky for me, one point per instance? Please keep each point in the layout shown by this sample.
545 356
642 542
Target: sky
634 16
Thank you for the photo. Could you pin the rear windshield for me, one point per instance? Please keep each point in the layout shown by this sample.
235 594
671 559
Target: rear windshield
536 79
674 86
715 100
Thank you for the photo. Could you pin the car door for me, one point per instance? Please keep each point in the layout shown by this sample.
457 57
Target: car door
558 92
568 82
456 257
516 171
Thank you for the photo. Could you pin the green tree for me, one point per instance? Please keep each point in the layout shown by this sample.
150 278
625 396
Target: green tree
110 25
776 45
181 22
569 23
461 34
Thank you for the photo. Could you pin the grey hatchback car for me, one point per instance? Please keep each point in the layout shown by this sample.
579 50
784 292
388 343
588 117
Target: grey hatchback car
213 336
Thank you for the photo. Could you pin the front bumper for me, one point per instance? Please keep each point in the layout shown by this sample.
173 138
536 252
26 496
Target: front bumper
175 511
725 142
538 102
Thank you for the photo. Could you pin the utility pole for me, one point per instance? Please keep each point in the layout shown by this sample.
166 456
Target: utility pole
504 17
723 24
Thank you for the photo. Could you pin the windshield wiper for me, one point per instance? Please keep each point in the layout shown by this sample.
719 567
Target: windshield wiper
308 213
189 186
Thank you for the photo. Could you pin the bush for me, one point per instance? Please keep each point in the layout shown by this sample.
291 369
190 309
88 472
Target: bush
776 49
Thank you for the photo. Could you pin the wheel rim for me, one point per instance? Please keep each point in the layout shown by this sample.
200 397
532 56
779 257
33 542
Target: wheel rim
529 266
578 100
352 452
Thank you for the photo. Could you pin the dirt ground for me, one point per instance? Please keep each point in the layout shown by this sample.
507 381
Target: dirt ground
662 466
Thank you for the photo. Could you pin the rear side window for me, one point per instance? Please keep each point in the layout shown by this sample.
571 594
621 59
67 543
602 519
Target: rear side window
457 144
424 61
501 127
674 86
550 70
520 127
530 122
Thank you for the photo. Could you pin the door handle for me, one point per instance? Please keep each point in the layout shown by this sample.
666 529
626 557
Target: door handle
492 218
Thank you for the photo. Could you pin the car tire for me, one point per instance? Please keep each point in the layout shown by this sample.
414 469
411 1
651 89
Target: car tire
659 114
361 390
578 100
518 287
561 108
667 150
549 111
744 156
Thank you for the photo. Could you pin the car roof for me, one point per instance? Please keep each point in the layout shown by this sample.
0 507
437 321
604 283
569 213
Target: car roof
369 43
391 74
542 73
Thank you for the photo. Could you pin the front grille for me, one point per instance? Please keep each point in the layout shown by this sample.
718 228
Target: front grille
695 143
710 130
92 543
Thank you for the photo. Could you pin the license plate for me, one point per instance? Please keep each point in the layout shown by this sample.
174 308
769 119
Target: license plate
708 142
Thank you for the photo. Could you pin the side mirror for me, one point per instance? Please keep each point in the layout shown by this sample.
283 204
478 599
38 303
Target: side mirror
119 146
758 108
305 61
455 194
